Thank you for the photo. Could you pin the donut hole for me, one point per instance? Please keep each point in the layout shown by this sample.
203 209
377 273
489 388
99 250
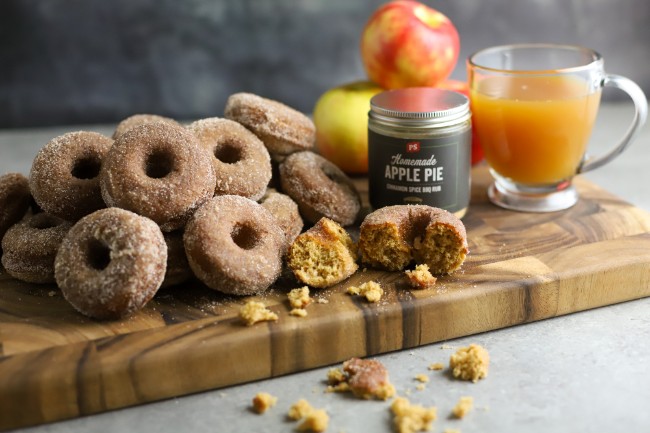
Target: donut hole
44 221
159 164
228 153
245 236
86 168
330 174
98 255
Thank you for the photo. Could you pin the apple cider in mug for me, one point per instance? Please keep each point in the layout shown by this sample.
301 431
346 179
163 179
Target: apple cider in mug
419 148
534 129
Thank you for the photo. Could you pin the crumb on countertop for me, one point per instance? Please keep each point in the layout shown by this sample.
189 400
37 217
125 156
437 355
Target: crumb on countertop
312 419
316 421
470 363
436 366
299 409
463 407
364 378
410 418
263 401
422 378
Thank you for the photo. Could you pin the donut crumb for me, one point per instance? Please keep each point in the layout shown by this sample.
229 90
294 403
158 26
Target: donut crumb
420 277
313 419
411 418
298 312
366 379
371 290
263 401
422 378
299 409
462 408
299 298
254 312
316 421
470 363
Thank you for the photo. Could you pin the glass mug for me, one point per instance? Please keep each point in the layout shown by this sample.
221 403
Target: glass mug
533 108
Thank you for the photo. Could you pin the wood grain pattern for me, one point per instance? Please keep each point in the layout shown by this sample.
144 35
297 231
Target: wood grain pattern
56 364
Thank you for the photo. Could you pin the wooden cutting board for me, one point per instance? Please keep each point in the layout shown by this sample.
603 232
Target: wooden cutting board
56 364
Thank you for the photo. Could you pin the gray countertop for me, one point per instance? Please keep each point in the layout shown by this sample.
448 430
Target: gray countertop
585 372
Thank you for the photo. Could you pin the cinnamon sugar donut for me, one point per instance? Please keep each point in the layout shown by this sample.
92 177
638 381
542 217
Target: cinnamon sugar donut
394 236
140 119
14 200
285 211
241 162
30 246
111 263
159 171
64 176
178 269
234 245
323 256
320 188
282 129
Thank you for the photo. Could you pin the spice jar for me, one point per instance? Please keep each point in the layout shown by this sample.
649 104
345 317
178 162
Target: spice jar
419 149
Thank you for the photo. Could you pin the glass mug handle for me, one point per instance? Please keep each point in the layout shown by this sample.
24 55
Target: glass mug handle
640 116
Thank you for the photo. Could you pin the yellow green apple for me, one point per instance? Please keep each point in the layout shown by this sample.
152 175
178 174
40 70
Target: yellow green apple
341 119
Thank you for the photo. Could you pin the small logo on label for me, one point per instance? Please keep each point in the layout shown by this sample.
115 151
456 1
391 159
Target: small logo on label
412 147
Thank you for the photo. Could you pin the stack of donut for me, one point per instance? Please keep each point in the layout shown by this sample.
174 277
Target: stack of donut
111 220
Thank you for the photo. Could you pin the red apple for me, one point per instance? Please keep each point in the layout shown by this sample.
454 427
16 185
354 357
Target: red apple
463 87
408 44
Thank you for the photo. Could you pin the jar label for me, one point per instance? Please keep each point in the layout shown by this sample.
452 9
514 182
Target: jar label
433 171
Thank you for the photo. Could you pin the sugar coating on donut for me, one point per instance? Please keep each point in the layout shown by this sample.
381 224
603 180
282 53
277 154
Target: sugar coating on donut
64 178
282 129
323 256
178 269
234 245
159 171
286 213
320 188
111 263
140 119
14 200
29 247
394 236
241 162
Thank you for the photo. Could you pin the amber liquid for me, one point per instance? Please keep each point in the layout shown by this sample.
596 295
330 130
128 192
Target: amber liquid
534 130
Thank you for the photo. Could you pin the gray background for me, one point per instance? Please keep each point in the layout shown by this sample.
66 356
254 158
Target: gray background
92 61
